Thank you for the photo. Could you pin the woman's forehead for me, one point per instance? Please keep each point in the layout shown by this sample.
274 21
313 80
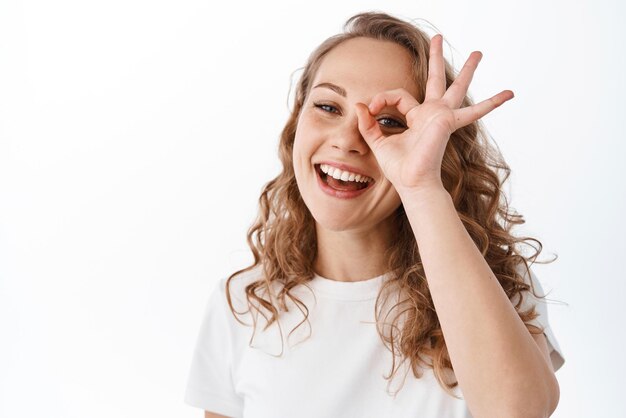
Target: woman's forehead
367 66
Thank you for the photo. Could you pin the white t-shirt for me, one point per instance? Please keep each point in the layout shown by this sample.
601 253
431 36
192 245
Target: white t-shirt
336 372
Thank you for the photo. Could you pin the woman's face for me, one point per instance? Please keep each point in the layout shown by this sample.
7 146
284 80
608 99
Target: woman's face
327 130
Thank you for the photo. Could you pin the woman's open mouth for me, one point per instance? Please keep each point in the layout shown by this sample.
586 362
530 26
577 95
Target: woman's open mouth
339 188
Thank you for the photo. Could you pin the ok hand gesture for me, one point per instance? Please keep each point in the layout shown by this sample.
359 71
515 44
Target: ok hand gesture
412 160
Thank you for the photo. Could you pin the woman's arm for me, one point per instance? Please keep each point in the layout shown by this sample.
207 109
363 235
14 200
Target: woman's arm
501 369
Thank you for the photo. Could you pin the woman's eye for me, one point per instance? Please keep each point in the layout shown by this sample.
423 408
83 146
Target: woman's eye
395 123
323 106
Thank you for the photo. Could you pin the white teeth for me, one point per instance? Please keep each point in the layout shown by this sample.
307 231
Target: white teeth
344 175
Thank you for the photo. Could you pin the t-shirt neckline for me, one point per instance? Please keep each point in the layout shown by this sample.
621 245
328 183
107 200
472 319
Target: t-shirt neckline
358 290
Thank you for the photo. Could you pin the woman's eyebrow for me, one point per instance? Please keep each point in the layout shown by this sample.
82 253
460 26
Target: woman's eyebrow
333 87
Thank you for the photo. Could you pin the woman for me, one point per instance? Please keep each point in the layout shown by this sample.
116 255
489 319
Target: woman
381 234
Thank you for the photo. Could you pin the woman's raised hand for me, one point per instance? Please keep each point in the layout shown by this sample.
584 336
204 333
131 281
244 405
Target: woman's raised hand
412 160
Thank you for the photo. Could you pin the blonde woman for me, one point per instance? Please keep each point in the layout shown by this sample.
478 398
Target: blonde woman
386 280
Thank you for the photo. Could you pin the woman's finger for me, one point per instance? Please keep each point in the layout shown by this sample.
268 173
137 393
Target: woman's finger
457 91
398 98
368 126
436 83
469 114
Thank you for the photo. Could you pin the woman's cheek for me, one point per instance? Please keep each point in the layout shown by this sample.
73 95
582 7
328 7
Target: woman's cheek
313 121
320 120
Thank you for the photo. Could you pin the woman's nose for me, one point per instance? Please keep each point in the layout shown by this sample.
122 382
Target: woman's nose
348 137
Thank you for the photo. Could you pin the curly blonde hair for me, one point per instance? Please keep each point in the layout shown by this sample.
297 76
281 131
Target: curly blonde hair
283 238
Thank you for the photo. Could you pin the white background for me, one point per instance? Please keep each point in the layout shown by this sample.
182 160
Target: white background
135 137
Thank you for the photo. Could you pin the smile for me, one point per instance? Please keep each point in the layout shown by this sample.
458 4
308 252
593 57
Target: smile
340 189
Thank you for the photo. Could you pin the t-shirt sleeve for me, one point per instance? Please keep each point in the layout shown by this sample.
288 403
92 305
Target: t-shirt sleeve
210 384
541 306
